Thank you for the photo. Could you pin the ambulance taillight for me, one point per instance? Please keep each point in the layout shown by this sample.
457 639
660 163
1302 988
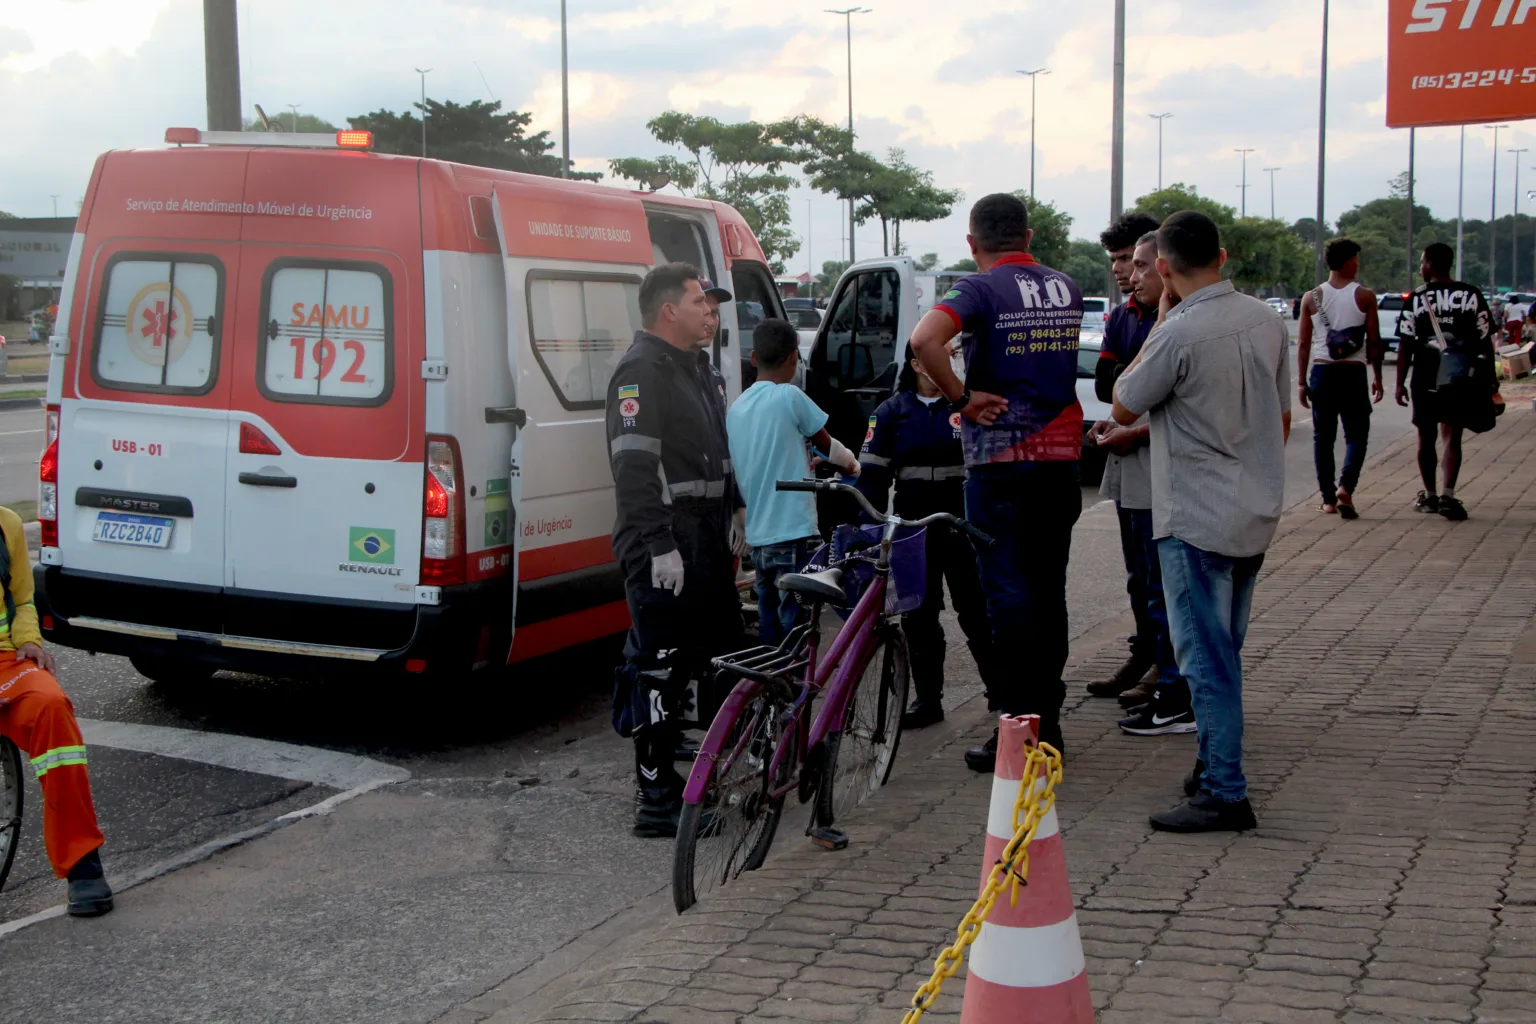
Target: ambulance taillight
442 535
48 483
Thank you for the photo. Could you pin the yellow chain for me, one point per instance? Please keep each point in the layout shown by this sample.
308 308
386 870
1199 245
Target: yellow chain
1012 869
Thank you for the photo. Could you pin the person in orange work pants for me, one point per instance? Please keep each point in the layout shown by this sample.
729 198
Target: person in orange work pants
36 715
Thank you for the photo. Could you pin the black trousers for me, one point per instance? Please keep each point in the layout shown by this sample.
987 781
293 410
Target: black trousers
951 558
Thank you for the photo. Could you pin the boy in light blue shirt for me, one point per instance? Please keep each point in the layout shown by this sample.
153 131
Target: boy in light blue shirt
768 429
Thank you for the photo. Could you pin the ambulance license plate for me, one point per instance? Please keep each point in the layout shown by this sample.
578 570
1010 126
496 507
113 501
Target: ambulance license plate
140 531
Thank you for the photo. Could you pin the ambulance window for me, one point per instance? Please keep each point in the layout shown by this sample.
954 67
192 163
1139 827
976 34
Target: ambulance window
158 326
327 335
581 326
678 240
757 299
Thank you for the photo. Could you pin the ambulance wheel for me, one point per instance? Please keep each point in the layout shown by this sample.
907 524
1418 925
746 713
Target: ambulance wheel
170 671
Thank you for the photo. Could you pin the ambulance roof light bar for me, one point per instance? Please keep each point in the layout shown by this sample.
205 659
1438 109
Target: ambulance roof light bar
346 138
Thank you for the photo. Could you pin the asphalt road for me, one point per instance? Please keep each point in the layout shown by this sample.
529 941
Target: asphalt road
21 442
508 839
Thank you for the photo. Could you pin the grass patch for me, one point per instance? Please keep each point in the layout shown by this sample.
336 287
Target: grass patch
26 393
26 509
18 365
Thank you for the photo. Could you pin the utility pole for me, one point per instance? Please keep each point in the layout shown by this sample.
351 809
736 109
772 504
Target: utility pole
1493 212
1117 134
1033 76
565 100
847 15
293 116
1321 269
1159 118
1514 226
810 241
1271 172
1412 144
1244 185
1461 192
55 199
221 65
423 73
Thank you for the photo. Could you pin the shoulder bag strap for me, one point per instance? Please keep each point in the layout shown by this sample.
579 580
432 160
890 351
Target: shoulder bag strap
1317 298
1434 321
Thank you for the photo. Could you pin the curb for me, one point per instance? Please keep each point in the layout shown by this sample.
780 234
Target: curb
7 404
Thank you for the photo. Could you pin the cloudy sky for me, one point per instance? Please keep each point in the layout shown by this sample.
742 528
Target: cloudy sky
937 79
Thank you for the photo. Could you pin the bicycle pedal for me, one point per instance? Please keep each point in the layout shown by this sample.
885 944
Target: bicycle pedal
829 837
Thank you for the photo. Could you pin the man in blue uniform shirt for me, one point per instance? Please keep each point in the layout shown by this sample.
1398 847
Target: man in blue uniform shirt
1018 323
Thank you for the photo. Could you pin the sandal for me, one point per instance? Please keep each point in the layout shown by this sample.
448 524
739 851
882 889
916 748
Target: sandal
1347 507
1328 509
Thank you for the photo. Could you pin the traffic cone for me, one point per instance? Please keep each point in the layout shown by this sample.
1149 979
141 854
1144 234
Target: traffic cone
1026 966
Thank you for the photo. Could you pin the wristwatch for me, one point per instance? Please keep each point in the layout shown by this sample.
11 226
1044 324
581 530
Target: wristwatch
960 403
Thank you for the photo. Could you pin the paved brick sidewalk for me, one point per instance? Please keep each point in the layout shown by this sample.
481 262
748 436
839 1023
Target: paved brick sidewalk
1391 705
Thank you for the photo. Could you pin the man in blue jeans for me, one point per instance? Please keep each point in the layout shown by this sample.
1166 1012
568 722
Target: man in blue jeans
1018 323
1215 379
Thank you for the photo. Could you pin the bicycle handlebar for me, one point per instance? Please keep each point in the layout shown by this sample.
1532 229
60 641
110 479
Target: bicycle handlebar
834 485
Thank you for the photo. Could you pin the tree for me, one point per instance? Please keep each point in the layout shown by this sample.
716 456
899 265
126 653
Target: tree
1052 228
476 133
7 216
290 123
964 265
891 192
1178 196
927 261
1087 264
742 165
1265 254
830 272
912 196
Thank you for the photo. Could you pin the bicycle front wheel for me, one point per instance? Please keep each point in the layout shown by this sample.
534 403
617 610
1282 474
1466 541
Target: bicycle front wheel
731 829
10 805
858 759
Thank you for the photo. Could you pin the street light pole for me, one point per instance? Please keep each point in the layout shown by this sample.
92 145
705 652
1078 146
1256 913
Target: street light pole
1461 191
1412 144
1493 211
1271 172
1159 118
565 100
293 116
423 73
1514 225
1320 268
1117 132
847 15
1033 75
1244 185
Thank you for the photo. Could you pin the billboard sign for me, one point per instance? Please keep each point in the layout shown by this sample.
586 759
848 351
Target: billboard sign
33 255
1460 62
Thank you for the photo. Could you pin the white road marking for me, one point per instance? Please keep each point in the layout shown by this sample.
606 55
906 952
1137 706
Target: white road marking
245 753
14 433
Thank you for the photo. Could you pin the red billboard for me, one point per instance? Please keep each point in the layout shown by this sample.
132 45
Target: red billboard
1460 61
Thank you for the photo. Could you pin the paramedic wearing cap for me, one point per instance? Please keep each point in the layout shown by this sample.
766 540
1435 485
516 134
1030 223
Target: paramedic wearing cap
1018 323
677 519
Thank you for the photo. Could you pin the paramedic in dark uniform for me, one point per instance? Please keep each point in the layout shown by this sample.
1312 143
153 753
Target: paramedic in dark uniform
914 439
676 516
1018 323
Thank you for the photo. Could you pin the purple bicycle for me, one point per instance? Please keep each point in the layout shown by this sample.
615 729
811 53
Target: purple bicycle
766 742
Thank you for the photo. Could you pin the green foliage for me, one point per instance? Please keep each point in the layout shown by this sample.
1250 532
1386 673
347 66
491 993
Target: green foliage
7 216
1052 228
743 165
830 272
1179 196
287 122
1265 254
892 192
10 292
476 133
927 261
965 264
1088 265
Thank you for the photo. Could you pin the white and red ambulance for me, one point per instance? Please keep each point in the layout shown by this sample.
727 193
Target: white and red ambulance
314 408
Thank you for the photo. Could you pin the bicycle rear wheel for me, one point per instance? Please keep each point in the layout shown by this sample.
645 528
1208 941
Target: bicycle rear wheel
858 759
10 805
731 829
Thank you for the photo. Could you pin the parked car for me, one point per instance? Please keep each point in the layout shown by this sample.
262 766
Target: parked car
1088 347
1095 312
1389 306
1280 306
806 318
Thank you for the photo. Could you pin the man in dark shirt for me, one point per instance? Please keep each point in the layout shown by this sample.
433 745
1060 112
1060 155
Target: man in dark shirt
1018 323
1465 321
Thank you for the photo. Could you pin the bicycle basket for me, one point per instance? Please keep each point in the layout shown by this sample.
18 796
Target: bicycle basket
909 565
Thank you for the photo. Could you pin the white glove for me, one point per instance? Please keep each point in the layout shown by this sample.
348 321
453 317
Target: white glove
843 459
667 572
739 546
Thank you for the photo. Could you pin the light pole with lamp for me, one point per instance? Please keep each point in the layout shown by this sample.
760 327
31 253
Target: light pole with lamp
1493 211
1244 185
565 101
1514 225
1160 118
293 116
1271 172
1461 191
847 15
423 73
1033 76
1320 268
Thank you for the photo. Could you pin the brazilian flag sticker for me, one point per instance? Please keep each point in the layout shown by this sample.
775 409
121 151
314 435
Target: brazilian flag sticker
369 545
498 495
953 293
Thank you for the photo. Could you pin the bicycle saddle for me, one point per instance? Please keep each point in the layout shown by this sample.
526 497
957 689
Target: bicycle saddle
825 586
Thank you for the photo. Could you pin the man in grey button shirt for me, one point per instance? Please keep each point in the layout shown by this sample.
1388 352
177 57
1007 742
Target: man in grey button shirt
1215 378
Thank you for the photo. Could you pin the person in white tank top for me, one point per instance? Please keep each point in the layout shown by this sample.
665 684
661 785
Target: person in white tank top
1340 337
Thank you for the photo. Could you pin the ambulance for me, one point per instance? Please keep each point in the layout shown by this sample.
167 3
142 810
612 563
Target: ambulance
314 409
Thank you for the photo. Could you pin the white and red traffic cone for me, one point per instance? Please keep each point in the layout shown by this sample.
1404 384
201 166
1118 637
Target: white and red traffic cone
1026 966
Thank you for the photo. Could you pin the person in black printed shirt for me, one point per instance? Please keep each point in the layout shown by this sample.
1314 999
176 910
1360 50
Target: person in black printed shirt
1465 320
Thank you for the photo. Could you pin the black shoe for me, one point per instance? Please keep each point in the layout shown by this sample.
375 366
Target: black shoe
89 897
687 749
657 809
1452 508
922 714
1193 780
1426 502
1127 676
1159 718
1204 813
984 757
